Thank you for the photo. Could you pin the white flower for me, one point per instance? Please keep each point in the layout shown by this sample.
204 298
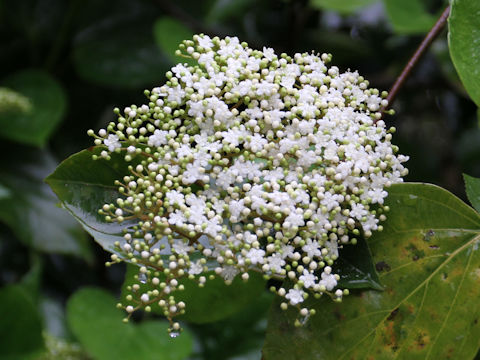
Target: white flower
180 247
312 248
158 138
236 207
276 262
295 296
195 268
256 256
329 281
184 151
287 251
295 219
308 279
112 142
358 211
269 53
204 41
175 197
177 218
332 247
229 272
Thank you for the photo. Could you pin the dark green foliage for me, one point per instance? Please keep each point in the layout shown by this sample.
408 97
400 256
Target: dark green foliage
20 326
48 104
464 37
97 324
414 285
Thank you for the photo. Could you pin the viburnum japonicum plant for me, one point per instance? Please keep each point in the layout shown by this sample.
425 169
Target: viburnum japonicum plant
248 161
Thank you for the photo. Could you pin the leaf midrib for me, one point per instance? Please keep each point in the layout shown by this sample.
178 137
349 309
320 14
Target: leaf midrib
78 182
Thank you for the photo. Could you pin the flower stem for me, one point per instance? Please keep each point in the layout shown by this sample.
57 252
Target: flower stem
424 45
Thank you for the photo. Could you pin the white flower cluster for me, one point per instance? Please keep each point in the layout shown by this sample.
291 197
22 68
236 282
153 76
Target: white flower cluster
249 161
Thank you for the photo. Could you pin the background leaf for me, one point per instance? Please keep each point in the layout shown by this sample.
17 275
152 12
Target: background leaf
48 105
119 52
225 9
472 187
429 309
342 6
4 192
409 17
242 333
213 302
21 325
31 210
97 323
463 40
169 33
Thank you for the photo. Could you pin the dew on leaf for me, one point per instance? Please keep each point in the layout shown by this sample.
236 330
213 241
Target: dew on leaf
142 278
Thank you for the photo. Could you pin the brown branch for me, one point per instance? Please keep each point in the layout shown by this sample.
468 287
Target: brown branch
432 34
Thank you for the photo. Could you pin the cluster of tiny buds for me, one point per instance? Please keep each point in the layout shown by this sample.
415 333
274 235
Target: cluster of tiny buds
248 161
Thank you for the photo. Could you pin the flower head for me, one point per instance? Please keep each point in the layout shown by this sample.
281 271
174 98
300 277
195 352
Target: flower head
251 160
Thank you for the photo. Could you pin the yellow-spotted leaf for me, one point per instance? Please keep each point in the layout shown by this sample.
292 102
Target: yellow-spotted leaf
428 258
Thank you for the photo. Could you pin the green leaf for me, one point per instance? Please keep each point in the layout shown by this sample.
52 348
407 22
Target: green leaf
21 326
32 280
48 105
225 9
84 185
242 334
169 33
430 260
409 17
97 323
356 268
4 192
472 187
120 52
463 40
213 302
344 7
31 210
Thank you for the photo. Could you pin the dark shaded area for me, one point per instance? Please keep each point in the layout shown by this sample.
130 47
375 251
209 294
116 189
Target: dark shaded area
103 55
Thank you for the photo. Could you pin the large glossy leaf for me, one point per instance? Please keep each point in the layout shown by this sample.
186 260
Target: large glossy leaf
31 210
464 39
48 104
472 187
84 186
213 302
169 33
429 261
97 324
342 6
20 325
119 52
409 17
